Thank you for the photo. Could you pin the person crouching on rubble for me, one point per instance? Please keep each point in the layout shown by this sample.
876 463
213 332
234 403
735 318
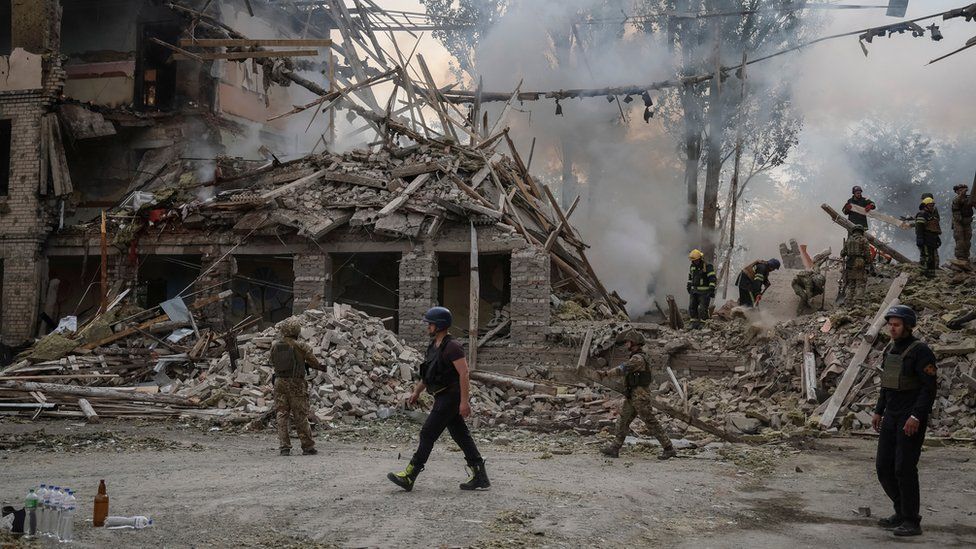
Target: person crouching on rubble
909 379
291 359
444 374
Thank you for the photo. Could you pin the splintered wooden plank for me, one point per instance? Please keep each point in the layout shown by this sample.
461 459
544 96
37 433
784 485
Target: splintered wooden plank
235 55
307 180
246 43
400 200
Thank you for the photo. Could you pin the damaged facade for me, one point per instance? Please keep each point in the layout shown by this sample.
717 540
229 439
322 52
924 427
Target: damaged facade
105 113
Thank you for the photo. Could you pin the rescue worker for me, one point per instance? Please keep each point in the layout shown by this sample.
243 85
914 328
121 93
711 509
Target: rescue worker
754 279
962 222
808 285
909 380
857 199
927 231
444 374
857 252
701 288
637 380
291 359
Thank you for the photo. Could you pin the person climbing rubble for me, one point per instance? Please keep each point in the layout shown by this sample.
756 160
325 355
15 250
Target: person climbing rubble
637 380
962 222
291 359
909 380
754 279
444 374
857 256
858 199
927 236
701 288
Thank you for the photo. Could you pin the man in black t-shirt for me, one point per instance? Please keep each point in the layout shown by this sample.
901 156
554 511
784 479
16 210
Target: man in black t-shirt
444 374
909 379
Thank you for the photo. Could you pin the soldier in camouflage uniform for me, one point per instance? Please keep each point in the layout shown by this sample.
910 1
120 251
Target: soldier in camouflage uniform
808 285
857 252
962 222
291 359
637 379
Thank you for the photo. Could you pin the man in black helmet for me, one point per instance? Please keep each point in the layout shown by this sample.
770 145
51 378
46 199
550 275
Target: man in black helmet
444 374
908 383
857 199
754 279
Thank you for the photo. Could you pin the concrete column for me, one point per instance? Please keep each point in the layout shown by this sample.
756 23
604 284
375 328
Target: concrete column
418 288
530 296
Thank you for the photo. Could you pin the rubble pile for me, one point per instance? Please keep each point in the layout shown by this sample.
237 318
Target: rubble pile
366 368
768 394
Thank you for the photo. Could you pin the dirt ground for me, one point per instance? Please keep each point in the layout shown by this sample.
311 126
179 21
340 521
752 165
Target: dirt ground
230 489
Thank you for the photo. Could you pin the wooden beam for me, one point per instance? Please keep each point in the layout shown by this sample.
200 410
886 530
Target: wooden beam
860 355
237 55
474 300
400 200
298 183
840 220
103 288
96 392
178 51
88 410
809 372
584 352
693 421
245 43
511 382
494 331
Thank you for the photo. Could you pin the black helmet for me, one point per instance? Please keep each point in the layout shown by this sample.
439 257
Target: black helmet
440 317
903 312
857 229
773 263
856 190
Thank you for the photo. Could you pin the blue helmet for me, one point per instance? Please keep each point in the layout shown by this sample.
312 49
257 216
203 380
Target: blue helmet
440 317
904 312
773 263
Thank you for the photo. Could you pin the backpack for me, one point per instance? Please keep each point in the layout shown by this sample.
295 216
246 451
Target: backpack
286 361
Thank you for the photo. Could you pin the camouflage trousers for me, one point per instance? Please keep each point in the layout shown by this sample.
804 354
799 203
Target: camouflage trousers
806 296
291 402
638 405
855 283
963 235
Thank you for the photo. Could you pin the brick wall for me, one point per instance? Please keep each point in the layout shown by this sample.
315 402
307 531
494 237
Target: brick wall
418 275
216 272
530 296
312 274
24 221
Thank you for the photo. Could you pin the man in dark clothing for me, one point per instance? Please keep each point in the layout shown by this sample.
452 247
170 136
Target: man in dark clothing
444 374
908 385
928 235
754 279
962 222
701 288
857 199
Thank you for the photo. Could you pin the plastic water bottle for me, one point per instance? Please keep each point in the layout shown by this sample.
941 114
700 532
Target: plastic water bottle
55 519
49 511
41 511
137 522
66 524
30 507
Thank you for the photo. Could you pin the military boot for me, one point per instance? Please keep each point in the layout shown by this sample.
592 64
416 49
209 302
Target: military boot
908 528
479 478
890 523
405 478
611 450
667 453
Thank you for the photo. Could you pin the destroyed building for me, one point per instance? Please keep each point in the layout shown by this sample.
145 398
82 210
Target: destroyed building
115 131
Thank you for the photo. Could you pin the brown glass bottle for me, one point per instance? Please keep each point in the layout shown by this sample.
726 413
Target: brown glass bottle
101 505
